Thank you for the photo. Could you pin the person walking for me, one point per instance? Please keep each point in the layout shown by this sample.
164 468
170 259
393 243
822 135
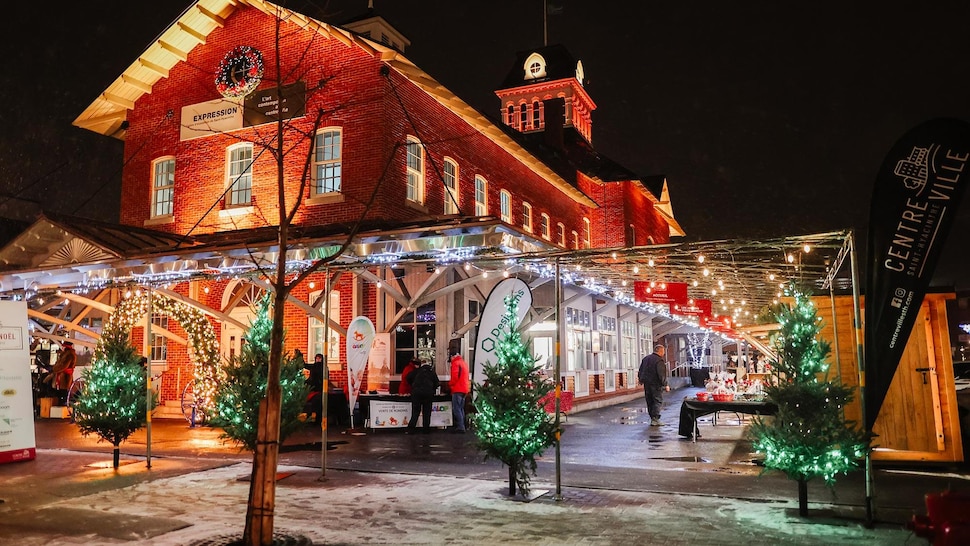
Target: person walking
459 385
424 382
653 377
314 381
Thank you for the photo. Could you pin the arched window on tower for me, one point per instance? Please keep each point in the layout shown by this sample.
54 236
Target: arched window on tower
536 115
523 116
510 117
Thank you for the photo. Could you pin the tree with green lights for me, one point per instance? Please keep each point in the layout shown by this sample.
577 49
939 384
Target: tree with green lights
239 393
114 400
809 436
511 424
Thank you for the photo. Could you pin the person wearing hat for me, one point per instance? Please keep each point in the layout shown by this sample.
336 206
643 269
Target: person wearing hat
63 371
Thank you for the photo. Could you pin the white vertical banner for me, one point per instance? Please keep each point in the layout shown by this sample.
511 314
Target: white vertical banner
17 442
360 339
490 322
379 364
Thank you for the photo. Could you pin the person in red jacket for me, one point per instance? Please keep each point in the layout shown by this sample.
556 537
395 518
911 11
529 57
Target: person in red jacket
405 387
459 384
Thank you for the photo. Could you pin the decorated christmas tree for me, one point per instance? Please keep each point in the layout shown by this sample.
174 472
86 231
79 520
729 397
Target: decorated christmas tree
809 436
244 385
511 424
114 400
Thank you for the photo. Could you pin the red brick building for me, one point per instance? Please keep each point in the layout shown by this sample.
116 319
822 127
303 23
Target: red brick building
235 96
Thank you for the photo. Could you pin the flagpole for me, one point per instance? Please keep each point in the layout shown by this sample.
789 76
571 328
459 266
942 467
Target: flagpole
558 368
860 356
325 388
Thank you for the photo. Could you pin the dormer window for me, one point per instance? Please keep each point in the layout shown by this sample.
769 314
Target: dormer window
535 67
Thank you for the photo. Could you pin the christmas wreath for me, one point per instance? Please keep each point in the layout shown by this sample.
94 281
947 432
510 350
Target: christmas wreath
239 72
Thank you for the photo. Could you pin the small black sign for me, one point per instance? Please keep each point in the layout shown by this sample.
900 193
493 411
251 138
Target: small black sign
266 106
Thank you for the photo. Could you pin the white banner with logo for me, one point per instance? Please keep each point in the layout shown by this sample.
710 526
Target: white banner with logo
360 339
17 442
393 414
490 323
379 364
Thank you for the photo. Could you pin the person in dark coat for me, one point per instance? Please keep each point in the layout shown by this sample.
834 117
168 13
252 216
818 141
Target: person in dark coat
653 377
424 382
314 380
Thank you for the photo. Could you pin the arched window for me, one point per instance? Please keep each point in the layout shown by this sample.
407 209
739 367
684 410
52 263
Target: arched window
415 170
536 115
163 186
505 206
326 161
481 196
527 217
451 186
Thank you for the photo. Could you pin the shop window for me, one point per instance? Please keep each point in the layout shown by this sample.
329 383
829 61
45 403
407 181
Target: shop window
327 161
414 336
505 206
163 187
415 170
481 196
578 340
239 177
450 173
606 328
628 344
527 217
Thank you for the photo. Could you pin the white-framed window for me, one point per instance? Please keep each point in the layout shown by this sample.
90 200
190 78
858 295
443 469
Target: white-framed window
628 344
579 344
239 174
450 174
481 196
606 328
587 234
527 216
327 161
575 240
163 186
415 170
535 67
505 206
318 335
544 226
159 342
561 238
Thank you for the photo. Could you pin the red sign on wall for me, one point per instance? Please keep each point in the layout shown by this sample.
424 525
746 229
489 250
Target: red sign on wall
699 308
660 292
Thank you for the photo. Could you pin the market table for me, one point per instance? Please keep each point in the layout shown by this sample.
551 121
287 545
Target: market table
691 409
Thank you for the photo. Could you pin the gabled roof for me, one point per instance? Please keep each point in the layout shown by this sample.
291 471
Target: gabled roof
108 113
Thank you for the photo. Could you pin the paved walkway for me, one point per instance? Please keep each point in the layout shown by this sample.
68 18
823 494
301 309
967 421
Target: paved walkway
622 482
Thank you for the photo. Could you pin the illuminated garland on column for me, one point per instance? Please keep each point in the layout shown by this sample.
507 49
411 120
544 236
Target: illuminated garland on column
202 344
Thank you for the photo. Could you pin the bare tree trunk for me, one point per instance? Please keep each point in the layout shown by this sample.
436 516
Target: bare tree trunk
803 497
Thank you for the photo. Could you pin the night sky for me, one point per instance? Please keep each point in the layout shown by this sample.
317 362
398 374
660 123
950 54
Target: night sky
767 118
